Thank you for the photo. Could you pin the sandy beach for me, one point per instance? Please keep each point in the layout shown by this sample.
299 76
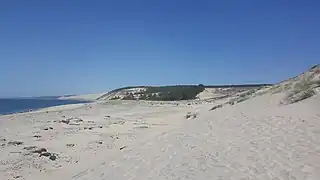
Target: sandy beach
160 90
256 139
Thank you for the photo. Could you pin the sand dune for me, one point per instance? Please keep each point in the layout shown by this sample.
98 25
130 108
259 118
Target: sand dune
85 97
256 138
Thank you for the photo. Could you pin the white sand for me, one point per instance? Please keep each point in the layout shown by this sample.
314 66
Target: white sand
85 97
255 139
122 93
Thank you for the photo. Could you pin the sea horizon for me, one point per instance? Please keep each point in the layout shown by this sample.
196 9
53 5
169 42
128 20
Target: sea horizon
25 104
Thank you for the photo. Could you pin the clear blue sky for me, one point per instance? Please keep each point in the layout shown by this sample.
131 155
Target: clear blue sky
71 47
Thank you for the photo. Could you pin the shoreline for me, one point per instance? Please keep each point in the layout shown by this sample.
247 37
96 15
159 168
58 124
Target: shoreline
55 103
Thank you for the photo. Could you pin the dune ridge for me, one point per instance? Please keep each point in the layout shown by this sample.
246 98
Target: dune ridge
269 132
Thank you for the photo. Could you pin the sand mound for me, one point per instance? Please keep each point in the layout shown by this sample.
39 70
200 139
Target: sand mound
256 139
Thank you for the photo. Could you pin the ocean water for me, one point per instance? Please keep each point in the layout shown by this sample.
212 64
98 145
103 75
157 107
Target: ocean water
9 106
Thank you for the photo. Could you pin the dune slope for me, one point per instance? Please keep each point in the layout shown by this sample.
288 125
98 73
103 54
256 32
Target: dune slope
257 138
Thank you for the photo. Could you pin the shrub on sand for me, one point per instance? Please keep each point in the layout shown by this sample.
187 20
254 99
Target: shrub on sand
190 115
296 96
216 107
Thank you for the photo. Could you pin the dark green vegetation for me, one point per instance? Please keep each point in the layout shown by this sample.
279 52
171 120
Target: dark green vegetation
171 93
